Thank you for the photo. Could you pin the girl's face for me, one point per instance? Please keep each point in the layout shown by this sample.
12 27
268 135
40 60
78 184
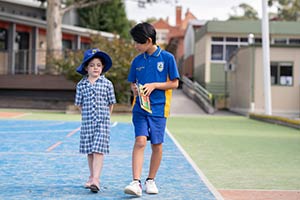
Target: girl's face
94 68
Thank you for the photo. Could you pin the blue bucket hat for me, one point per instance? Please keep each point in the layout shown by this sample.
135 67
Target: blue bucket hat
94 53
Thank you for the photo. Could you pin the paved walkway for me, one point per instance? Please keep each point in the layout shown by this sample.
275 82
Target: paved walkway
183 105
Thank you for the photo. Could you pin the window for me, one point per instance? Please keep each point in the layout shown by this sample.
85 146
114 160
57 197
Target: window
232 39
244 40
217 39
3 39
217 52
230 50
294 41
282 73
258 41
67 44
222 48
280 41
85 45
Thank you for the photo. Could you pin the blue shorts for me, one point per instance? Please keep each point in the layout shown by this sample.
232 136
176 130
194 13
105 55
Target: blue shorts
151 127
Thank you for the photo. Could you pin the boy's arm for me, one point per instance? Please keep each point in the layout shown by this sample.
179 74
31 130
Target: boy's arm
171 84
134 89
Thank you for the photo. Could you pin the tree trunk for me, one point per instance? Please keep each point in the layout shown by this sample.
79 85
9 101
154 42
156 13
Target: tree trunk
54 35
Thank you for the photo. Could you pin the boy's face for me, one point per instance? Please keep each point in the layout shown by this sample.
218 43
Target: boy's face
142 48
94 68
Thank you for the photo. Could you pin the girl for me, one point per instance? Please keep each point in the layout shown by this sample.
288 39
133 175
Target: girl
95 98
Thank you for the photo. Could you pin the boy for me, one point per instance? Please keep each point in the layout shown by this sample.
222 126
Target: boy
155 72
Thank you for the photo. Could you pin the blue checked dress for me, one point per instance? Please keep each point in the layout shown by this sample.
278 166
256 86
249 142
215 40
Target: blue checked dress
94 100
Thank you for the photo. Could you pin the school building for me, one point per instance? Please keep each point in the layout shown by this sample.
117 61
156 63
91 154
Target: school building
231 68
23 82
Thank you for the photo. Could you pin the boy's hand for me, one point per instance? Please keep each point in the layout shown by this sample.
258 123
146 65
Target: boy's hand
148 88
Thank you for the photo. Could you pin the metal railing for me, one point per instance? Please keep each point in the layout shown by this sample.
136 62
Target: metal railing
24 61
209 97
201 91
199 94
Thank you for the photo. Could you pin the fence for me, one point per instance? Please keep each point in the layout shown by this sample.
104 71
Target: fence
24 62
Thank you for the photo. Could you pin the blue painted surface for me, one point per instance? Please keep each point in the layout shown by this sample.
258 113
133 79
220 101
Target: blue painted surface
28 171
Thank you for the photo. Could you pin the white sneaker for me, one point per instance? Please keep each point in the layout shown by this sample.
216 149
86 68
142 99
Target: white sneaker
134 188
150 187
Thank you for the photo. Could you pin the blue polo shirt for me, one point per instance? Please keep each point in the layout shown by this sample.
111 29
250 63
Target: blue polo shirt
158 67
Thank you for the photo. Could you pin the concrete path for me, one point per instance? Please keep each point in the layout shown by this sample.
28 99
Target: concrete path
181 104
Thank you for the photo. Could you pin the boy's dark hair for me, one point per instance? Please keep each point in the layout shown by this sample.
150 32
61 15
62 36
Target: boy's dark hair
142 31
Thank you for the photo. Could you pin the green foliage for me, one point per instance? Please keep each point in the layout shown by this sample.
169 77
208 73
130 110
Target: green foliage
121 52
110 17
248 13
288 10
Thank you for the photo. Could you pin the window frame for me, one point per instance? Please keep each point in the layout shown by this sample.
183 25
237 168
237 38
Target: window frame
279 78
5 40
225 41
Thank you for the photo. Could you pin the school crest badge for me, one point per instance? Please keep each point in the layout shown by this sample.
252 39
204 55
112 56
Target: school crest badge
160 66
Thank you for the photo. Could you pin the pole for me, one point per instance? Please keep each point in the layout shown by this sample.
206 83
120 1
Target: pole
266 58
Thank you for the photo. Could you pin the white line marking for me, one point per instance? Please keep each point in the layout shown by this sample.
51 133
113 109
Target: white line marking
213 190
114 124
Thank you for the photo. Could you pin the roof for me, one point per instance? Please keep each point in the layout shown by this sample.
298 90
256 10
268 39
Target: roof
188 17
34 4
161 24
249 26
42 24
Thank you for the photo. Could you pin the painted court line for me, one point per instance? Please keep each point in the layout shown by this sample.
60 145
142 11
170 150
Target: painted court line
114 124
73 132
13 115
54 146
60 142
21 115
25 125
35 131
69 135
213 190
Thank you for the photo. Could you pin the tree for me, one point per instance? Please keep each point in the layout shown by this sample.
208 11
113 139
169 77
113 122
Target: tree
110 17
121 51
55 12
288 10
248 13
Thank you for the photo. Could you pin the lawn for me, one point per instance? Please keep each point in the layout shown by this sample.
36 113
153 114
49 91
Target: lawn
240 153
234 152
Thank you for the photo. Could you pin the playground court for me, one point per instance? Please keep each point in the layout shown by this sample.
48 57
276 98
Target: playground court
40 160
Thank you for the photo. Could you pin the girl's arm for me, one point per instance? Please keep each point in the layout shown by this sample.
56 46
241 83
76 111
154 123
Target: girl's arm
111 107
79 108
